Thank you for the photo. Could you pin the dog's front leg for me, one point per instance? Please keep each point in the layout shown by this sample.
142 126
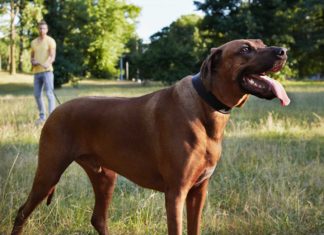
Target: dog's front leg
195 202
174 203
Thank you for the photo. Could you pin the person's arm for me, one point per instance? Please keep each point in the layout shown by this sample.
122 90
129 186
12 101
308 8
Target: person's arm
32 58
51 56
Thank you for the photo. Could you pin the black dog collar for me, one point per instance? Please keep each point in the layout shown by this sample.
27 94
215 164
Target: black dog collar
208 97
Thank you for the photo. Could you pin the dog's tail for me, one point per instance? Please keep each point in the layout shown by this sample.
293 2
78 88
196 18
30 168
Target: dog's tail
50 196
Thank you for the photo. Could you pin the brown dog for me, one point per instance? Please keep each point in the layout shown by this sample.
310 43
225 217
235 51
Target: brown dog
169 140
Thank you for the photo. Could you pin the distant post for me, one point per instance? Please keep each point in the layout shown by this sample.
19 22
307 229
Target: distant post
121 77
127 70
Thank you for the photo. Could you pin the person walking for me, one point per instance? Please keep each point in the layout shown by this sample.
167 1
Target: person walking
43 51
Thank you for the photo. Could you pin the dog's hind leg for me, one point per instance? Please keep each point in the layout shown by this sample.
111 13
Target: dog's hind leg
47 176
103 183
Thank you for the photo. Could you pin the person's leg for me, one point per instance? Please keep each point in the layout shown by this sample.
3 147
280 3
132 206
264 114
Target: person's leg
38 87
49 88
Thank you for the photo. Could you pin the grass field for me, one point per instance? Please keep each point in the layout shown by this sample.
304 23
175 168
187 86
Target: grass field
270 179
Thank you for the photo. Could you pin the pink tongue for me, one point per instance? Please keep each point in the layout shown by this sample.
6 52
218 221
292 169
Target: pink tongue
278 90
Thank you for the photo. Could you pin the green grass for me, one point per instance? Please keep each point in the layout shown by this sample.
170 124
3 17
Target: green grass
270 179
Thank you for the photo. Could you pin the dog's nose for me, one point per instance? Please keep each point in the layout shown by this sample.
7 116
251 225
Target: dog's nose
280 52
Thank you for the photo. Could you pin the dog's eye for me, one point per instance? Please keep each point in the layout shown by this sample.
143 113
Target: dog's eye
245 50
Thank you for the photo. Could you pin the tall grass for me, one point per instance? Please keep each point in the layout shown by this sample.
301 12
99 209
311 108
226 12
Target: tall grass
270 179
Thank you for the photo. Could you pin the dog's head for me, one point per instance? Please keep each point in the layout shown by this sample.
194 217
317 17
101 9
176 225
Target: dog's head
238 68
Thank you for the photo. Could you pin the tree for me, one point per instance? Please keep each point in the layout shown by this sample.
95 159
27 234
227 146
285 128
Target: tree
297 25
174 52
111 26
4 37
308 33
67 21
231 19
31 12
22 14
13 12
134 56
90 36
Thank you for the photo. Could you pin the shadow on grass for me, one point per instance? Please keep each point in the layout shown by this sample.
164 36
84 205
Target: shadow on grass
120 87
298 150
102 88
9 151
16 89
114 85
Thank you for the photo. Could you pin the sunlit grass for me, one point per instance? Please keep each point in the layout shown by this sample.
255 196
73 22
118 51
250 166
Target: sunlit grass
270 179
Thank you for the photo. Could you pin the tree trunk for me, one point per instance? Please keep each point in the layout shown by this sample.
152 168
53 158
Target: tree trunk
21 50
12 39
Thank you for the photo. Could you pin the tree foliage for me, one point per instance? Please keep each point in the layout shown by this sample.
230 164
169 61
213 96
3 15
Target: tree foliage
111 25
177 50
307 29
30 13
67 22
90 35
297 25
26 13
134 56
93 35
174 52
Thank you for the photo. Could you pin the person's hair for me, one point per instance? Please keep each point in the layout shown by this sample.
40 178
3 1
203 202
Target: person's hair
42 22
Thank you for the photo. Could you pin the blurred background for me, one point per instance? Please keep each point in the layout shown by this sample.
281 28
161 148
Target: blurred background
110 38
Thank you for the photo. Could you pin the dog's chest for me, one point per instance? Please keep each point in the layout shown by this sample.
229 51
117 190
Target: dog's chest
205 175
212 156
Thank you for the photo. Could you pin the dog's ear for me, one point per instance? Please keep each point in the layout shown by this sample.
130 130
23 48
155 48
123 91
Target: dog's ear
209 67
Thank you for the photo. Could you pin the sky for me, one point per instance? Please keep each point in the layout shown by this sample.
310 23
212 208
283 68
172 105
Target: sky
157 14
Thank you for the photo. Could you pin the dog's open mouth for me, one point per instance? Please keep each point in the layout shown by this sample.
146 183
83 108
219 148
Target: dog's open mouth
263 86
